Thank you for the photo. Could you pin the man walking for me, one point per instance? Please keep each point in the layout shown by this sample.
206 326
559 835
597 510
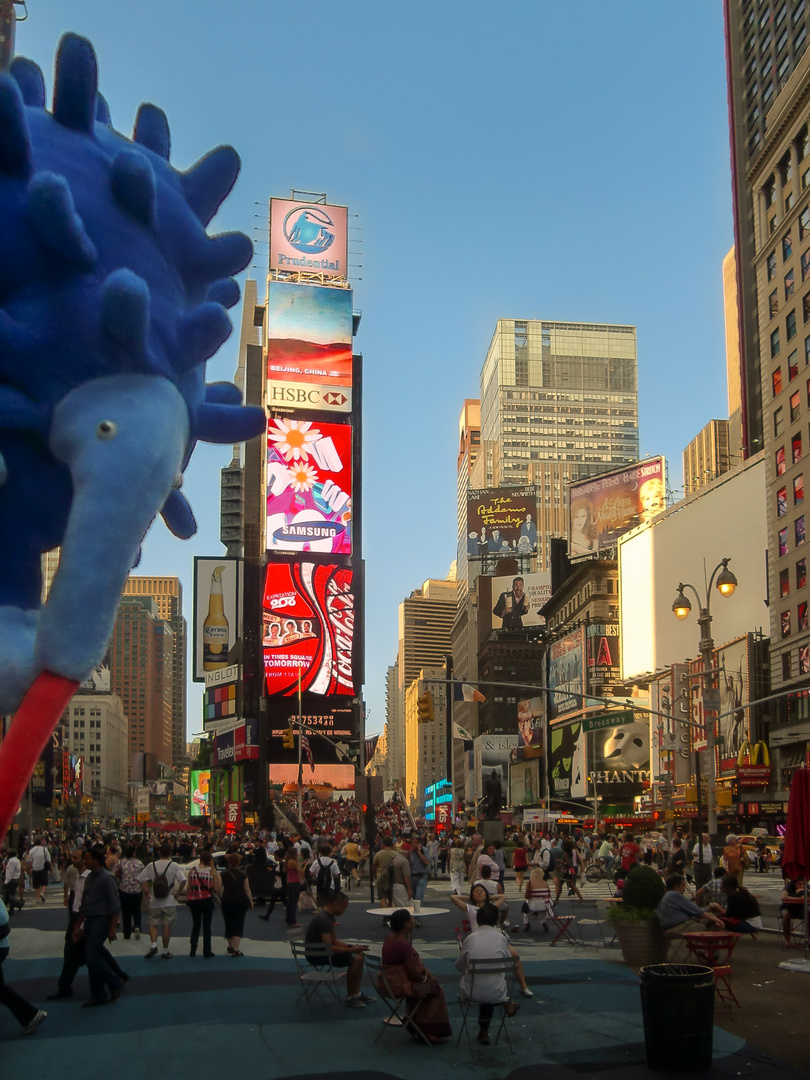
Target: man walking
40 859
100 907
11 884
159 881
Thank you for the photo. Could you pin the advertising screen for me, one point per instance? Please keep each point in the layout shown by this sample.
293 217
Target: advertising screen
602 654
309 334
620 758
492 756
216 626
604 508
309 486
308 237
199 782
734 729
518 598
566 761
565 674
524 783
531 714
501 521
323 783
308 629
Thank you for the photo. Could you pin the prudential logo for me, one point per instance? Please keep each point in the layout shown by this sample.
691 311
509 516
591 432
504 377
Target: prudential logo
309 230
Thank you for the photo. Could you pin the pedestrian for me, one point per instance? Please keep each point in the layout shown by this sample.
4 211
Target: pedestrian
23 1011
161 880
98 921
39 859
295 875
457 867
204 883
126 872
236 900
12 894
519 863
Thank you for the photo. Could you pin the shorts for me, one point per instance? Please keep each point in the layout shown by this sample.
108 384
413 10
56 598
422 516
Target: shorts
39 878
339 960
162 916
349 865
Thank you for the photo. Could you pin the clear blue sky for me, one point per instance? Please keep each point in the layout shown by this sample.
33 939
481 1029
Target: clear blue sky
530 160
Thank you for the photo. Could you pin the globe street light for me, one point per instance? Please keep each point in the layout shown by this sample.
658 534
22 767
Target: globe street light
725 583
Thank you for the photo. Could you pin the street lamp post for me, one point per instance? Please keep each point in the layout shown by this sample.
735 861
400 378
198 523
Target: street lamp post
592 779
725 583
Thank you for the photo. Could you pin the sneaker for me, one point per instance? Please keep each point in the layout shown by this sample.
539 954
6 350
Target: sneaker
152 952
167 956
526 992
59 995
137 933
366 999
356 1002
32 1025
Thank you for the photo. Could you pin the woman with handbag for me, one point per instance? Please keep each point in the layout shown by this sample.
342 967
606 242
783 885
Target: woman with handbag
204 883
407 976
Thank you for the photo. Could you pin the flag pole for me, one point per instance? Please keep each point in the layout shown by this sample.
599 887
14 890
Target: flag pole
300 754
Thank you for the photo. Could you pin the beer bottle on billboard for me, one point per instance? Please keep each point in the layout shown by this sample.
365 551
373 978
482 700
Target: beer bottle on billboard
216 643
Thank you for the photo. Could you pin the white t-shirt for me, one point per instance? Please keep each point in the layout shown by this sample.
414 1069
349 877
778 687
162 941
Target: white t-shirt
174 875
324 861
13 869
486 943
39 856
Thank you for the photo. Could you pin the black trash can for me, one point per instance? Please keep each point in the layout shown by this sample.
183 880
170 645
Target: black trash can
677 1004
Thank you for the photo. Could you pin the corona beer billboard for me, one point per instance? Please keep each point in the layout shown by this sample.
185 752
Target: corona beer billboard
308 622
309 486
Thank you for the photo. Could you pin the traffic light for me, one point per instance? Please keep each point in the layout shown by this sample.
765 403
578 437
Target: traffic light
289 739
424 707
656 815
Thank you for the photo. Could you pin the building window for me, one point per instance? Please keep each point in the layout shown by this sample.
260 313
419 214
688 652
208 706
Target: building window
777 422
775 343
793 365
805 264
776 381
781 464
786 666
773 303
796 447
799 530
770 262
798 489
804 659
804 229
801 573
781 502
795 406
785 620
783 542
801 616
806 306
790 322
784 583
789 201
790 284
787 246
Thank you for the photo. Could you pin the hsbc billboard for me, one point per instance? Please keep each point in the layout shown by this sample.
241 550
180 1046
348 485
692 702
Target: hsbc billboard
308 628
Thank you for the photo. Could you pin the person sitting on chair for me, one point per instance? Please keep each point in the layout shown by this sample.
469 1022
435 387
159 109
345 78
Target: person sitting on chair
321 932
486 943
537 898
479 899
742 914
408 977
677 915
793 890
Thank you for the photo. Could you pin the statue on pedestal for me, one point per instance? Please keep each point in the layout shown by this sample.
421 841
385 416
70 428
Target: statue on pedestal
493 797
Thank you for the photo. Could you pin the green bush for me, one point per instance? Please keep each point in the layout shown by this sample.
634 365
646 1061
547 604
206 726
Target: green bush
643 889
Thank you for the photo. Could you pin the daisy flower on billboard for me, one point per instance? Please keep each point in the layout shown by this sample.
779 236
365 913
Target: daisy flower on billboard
302 476
293 438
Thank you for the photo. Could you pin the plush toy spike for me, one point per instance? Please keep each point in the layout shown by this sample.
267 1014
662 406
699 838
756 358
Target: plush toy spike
209 182
102 111
54 216
223 393
178 515
30 80
225 292
15 147
152 131
74 94
133 185
201 333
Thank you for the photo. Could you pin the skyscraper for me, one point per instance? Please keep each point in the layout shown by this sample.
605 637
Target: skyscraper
167 592
769 116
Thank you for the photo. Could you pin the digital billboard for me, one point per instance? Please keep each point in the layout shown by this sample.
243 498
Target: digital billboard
518 599
323 782
501 521
309 486
215 619
236 741
308 623
309 347
605 507
524 783
531 715
309 237
199 782
565 674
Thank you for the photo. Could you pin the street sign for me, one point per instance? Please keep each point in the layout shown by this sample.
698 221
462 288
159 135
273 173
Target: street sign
711 701
599 721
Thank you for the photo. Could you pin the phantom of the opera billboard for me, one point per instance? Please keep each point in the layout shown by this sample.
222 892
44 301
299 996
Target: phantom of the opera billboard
308 622
517 599
619 758
308 238
501 521
605 507
309 486
309 347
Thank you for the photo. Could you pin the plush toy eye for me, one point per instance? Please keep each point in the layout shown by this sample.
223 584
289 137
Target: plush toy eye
107 429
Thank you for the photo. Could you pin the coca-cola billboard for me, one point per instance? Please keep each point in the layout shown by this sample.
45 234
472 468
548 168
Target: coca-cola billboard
308 629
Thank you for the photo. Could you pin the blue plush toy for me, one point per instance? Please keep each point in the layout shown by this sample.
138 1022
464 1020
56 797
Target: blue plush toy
112 298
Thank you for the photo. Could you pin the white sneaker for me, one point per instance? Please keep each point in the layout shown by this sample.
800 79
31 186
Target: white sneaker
137 933
32 1025
527 992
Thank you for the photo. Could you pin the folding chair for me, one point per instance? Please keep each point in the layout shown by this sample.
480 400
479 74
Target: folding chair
314 979
402 1012
584 908
561 924
484 970
538 903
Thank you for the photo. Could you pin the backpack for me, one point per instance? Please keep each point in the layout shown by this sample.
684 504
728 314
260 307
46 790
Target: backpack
385 880
160 885
325 882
